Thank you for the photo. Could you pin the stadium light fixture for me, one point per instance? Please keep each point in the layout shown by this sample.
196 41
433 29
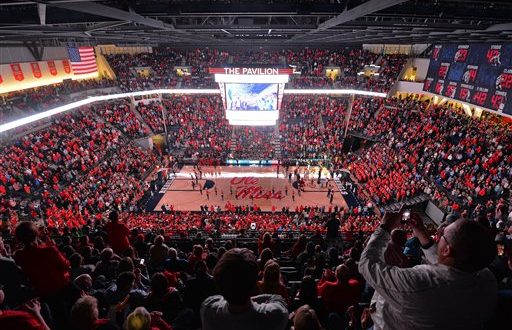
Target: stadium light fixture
333 92
91 99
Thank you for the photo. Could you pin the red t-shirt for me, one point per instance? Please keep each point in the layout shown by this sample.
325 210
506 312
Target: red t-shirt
45 267
118 235
20 320
338 297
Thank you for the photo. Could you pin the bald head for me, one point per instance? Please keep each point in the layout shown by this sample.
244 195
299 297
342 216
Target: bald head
342 273
467 246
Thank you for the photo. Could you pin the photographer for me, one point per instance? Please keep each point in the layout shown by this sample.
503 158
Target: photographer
454 291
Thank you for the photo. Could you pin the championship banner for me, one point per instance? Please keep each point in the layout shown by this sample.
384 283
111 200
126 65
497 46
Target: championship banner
17 72
52 68
66 65
36 70
251 71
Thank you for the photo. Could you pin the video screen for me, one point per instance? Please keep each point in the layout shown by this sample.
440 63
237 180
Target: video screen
251 97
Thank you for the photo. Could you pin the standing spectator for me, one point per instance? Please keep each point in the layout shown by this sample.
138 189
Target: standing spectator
440 295
53 284
118 234
28 319
236 276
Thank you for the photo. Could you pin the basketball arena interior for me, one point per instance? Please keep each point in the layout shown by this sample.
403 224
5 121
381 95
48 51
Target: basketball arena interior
234 164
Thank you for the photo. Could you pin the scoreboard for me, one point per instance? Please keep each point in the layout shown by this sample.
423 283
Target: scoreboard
480 74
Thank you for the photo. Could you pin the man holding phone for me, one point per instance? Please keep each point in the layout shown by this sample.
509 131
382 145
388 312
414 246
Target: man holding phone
454 290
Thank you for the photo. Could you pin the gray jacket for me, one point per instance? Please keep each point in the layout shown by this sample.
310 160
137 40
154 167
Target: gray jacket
432 296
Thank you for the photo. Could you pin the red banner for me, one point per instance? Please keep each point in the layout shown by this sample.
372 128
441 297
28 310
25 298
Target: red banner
67 66
1 79
251 71
52 68
17 72
36 70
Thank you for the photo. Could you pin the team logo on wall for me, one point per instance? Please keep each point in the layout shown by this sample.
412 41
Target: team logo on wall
443 70
469 75
450 89
498 100
439 87
462 53
36 70
504 80
52 68
435 53
66 65
17 72
427 84
494 55
465 93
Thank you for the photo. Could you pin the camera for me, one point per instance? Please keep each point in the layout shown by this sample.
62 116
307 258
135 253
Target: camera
406 216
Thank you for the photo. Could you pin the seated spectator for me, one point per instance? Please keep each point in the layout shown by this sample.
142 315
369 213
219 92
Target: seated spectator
272 281
198 288
77 268
305 318
108 264
173 263
236 277
338 296
434 295
28 319
308 295
141 319
84 315
163 298
158 252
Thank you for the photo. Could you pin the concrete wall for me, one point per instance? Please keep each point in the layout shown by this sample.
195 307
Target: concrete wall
22 54
421 65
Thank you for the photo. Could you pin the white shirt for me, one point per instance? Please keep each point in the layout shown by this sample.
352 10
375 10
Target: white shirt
268 312
431 296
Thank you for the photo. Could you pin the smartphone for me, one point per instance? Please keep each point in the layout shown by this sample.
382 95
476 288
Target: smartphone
406 216
142 262
501 249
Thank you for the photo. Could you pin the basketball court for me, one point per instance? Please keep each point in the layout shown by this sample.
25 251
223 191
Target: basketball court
263 186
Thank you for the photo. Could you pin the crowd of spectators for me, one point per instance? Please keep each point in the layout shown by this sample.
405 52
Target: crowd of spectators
253 142
120 115
124 273
312 127
438 150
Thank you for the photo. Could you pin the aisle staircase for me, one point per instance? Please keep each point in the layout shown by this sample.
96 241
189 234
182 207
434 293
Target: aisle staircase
276 144
234 142
133 108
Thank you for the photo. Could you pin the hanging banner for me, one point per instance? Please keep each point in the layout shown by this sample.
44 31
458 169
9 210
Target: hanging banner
36 70
17 72
52 68
67 66
1 79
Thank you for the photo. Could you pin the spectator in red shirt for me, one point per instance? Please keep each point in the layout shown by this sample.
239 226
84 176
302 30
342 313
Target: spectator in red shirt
48 272
340 295
28 319
118 234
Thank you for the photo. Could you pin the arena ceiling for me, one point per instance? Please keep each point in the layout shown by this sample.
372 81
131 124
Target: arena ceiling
245 22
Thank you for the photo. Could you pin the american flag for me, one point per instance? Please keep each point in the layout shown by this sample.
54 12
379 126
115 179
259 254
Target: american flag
82 60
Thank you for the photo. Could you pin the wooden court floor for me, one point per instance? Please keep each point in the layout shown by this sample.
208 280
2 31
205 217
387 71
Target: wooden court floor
262 186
